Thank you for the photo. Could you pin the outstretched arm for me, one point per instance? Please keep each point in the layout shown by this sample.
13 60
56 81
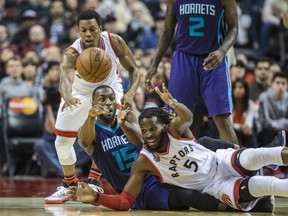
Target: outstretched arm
164 41
128 62
83 193
128 122
184 118
87 133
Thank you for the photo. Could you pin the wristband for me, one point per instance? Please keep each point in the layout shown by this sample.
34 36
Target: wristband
174 104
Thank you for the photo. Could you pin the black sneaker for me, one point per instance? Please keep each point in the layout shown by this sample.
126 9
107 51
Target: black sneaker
265 204
278 141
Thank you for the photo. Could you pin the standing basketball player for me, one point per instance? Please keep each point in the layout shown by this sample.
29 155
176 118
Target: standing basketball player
172 153
199 64
76 92
105 141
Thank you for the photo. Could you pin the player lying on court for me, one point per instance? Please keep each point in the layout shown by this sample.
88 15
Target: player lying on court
171 153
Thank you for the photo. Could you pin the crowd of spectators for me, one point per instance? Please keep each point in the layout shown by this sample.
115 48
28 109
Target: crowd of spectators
34 33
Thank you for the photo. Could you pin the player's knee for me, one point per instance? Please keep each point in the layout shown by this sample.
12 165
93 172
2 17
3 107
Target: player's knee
65 151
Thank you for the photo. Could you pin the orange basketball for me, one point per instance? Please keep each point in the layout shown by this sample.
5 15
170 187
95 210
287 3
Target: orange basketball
94 65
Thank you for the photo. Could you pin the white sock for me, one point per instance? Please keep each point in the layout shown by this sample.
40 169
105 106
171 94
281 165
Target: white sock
268 185
254 159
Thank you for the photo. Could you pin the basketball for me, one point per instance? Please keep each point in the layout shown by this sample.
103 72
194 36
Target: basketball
93 65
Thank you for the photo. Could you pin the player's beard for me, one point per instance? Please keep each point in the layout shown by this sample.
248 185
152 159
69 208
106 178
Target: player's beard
107 119
159 146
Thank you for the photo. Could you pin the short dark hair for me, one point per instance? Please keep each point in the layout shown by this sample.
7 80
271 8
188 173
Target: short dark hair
89 14
101 87
281 75
263 59
162 115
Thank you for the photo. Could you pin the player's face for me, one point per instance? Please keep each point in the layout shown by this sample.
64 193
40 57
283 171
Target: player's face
105 98
90 32
153 134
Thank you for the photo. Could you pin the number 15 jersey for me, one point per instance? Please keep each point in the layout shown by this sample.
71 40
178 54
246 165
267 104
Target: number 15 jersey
200 28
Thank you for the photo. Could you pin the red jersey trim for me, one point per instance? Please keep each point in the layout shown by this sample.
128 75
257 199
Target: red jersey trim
73 49
69 134
112 44
236 193
181 138
234 165
155 168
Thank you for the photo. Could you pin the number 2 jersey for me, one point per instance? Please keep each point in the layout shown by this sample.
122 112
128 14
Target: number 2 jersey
200 28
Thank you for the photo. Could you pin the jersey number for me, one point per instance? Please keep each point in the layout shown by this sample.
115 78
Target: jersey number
123 158
188 164
194 29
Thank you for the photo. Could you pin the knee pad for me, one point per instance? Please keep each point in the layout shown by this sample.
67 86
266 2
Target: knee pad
65 151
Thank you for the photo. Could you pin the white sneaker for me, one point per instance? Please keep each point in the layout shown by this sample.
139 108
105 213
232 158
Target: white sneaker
58 197
97 189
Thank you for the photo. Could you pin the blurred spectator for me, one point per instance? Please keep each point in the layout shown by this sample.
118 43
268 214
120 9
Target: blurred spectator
11 17
30 68
21 37
273 111
149 40
141 23
4 38
69 36
273 11
38 41
56 24
109 23
237 70
243 114
72 9
261 78
12 86
5 54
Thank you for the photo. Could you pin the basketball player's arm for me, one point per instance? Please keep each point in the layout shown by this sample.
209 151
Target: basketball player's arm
179 126
117 202
128 122
128 63
230 15
87 134
67 67
164 41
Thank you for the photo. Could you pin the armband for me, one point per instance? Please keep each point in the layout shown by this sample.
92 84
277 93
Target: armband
174 104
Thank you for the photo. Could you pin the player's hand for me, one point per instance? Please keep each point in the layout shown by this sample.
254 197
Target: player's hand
97 110
122 116
149 86
71 103
165 96
82 193
213 60
127 101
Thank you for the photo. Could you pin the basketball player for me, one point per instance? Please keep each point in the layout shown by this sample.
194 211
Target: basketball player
199 63
104 140
172 154
76 92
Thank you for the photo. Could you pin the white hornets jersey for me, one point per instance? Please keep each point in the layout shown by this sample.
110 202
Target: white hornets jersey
186 163
113 80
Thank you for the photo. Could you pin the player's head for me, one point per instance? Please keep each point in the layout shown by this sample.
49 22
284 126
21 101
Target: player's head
105 97
90 26
154 123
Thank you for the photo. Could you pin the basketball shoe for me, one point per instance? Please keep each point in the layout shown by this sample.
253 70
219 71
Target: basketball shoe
95 185
278 141
265 204
60 195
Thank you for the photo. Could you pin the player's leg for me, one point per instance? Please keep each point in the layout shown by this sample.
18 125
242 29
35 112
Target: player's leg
216 94
183 83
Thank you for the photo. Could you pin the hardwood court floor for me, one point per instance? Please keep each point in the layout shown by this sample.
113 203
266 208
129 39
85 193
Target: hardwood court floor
25 196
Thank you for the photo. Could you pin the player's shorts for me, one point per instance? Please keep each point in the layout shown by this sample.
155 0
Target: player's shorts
69 121
154 195
225 186
188 80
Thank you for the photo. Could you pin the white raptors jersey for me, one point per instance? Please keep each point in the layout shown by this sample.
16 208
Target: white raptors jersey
113 80
186 163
